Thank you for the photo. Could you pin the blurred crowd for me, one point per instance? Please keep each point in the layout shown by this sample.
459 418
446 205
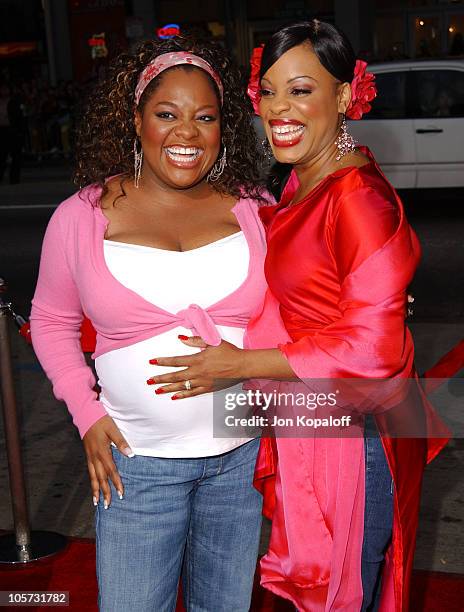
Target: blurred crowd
36 122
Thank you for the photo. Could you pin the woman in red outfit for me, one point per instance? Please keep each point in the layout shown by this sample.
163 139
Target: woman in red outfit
340 257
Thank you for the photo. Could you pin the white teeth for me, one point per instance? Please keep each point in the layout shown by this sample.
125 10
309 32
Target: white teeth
183 150
287 133
183 154
286 129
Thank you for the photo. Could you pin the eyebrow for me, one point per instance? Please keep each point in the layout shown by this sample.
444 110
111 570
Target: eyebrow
167 103
302 76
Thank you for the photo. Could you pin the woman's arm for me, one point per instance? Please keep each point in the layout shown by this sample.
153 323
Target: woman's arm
369 338
56 318
217 367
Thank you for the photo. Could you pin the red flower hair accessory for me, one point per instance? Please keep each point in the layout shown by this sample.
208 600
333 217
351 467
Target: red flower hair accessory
253 84
363 91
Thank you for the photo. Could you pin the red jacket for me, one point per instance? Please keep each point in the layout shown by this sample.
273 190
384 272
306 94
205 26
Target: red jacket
338 266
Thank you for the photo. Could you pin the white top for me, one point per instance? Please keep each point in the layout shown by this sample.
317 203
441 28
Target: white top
154 425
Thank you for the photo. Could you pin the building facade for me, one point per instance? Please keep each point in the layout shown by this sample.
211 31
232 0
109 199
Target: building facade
75 39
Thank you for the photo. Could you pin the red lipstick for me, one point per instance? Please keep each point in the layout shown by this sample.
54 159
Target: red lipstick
284 134
284 122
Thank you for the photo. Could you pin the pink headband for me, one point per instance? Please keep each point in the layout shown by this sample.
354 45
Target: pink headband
167 60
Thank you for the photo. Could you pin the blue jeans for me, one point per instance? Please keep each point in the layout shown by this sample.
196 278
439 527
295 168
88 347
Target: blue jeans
378 516
201 517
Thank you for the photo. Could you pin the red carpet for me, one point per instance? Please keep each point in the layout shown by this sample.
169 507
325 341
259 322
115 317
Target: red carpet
73 570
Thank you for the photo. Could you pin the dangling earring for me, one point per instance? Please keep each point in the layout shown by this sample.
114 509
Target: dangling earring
267 149
345 142
218 168
138 159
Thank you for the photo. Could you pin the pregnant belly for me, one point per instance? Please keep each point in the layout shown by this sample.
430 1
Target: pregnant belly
134 405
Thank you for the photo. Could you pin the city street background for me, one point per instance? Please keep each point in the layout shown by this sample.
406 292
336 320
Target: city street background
57 482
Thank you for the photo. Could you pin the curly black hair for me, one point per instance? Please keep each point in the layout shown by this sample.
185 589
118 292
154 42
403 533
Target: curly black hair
105 134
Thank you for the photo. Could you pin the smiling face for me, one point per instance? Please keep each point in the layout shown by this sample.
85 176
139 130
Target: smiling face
300 106
180 129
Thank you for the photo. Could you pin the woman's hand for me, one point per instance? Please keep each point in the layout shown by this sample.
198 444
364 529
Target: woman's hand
213 368
100 462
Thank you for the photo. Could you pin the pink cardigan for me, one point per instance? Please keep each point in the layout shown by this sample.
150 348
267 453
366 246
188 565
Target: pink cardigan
74 279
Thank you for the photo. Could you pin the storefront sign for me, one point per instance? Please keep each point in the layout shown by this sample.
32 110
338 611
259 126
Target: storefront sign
98 45
168 31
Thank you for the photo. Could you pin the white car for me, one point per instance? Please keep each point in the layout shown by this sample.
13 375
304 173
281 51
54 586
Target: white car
416 126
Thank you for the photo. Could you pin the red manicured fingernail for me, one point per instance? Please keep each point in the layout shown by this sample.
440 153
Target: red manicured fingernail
182 337
150 381
153 361
175 397
159 390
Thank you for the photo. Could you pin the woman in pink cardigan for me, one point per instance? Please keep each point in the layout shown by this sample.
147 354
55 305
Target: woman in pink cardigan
163 240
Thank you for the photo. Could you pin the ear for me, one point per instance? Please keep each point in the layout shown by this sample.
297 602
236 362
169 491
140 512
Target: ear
137 122
344 97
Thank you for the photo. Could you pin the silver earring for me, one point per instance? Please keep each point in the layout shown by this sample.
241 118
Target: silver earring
267 149
218 168
138 160
345 142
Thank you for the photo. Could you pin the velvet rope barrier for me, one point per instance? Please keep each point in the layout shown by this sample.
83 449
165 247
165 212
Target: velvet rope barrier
446 367
23 545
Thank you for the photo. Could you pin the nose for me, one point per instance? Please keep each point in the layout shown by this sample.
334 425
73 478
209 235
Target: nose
279 104
187 129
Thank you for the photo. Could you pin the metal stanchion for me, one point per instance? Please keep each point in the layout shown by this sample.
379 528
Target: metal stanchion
23 545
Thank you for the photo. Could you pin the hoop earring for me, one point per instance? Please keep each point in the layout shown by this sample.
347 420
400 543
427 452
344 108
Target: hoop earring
138 160
218 168
345 142
267 149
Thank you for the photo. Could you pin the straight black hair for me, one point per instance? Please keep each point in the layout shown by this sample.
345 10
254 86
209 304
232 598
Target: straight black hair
330 44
